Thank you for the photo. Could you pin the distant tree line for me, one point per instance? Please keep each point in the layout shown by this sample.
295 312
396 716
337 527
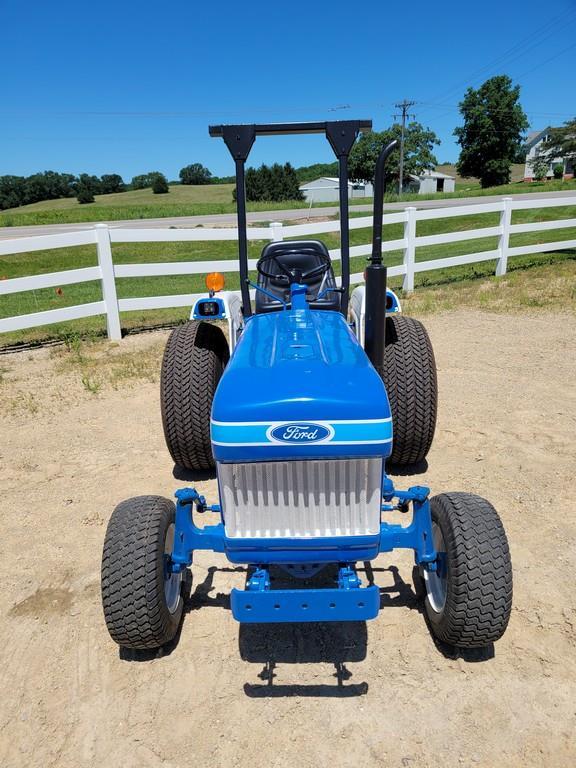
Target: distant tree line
316 171
50 185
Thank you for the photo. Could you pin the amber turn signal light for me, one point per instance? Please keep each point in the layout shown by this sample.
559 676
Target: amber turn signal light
214 281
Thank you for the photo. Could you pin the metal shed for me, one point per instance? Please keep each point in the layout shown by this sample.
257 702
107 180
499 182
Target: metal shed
430 182
325 190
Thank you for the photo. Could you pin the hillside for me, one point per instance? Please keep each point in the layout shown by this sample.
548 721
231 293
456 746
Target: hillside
179 194
183 200
471 183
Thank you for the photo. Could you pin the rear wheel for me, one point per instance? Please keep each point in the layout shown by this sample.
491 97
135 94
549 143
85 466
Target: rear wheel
409 374
469 595
194 359
141 597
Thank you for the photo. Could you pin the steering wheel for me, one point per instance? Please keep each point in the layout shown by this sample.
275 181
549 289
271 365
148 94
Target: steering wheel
294 274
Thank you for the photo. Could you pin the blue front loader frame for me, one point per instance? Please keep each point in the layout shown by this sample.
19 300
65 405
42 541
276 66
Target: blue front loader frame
347 601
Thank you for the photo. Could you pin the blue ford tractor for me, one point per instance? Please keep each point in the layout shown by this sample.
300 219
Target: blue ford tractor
299 411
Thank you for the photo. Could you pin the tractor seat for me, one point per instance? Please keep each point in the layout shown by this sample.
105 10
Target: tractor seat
303 255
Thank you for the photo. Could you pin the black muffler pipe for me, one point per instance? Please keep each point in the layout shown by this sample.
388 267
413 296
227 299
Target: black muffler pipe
375 320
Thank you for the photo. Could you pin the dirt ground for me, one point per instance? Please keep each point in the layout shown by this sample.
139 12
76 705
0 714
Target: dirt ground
376 694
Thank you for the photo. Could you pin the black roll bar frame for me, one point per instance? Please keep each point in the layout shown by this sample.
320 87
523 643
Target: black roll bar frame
341 135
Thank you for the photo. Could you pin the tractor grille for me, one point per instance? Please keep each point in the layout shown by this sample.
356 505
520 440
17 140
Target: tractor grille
301 499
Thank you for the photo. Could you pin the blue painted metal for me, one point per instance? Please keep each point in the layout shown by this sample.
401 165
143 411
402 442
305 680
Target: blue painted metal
212 300
298 296
416 536
187 536
310 550
392 300
259 581
259 603
286 365
348 578
303 605
300 439
268 293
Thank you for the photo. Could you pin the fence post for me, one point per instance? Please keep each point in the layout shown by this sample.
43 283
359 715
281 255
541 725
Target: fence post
276 233
108 281
410 249
504 241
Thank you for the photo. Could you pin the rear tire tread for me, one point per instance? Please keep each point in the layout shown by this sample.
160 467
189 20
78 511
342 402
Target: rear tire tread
409 375
194 358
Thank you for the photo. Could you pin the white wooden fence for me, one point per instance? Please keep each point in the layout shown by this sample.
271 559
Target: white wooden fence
104 236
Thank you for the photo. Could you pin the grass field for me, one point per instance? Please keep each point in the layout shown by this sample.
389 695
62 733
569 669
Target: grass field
84 256
179 194
217 198
516 175
138 204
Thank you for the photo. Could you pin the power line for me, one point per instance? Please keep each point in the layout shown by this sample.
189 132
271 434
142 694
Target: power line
515 52
210 114
546 61
456 107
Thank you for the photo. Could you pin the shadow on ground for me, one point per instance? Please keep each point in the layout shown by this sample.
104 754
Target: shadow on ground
192 475
337 643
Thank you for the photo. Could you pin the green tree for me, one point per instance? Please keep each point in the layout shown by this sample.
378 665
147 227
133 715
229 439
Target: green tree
491 136
316 171
558 170
110 183
561 142
195 174
540 167
145 180
84 195
277 189
88 181
35 189
278 182
419 155
160 185
291 183
255 187
11 191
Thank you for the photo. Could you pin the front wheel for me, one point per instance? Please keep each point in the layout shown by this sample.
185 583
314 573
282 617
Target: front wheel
469 594
141 597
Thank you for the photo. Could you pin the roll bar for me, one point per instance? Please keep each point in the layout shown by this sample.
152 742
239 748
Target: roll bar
341 135
376 274
376 257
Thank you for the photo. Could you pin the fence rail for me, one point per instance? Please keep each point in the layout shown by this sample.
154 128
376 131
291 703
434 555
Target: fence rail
106 271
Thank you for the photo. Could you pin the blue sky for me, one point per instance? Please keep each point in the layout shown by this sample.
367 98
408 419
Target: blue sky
130 87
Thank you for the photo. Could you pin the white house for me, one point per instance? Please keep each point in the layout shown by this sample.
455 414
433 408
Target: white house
535 144
325 190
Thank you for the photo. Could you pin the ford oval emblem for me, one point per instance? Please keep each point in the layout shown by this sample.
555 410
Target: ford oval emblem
300 433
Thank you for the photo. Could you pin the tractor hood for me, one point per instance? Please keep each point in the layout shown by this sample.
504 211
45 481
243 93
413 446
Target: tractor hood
299 386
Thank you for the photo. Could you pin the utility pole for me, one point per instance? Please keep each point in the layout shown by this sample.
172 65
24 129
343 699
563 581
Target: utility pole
404 106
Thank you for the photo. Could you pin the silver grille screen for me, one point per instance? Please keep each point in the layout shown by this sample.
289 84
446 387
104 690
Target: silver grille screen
301 499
